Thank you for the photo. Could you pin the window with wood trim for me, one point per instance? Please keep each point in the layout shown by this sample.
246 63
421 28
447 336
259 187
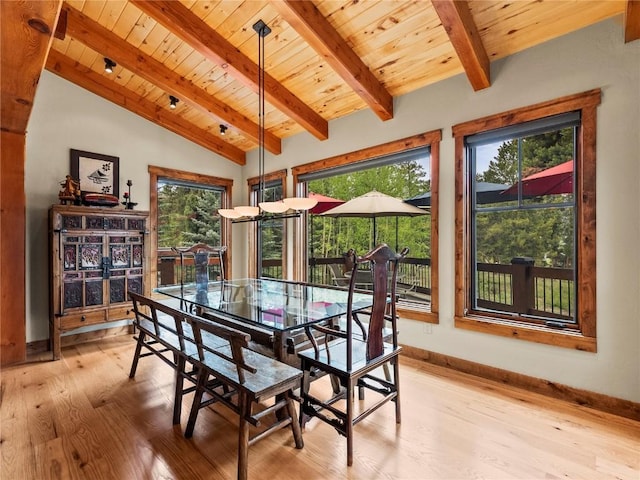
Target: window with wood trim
406 169
183 212
269 233
525 223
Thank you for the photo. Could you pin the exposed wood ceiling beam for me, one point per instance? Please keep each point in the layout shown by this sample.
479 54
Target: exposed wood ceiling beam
26 33
100 85
61 26
457 21
305 18
180 21
632 21
98 38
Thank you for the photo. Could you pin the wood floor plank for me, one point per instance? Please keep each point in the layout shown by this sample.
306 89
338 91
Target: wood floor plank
17 458
131 452
83 418
51 462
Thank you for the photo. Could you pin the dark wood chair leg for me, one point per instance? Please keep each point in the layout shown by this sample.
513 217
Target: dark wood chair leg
136 355
243 436
387 374
195 406
304 390
396 382
177 403
349 421
295 424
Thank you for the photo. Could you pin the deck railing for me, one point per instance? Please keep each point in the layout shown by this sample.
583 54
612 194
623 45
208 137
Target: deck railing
525 289
520 287
170 271
415 272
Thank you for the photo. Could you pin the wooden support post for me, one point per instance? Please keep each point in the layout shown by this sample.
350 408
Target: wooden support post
13 346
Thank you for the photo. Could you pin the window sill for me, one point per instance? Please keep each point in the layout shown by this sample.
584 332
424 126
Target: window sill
533 333
416 314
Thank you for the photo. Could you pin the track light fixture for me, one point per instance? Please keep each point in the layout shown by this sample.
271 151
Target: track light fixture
173 102
223 129
108 65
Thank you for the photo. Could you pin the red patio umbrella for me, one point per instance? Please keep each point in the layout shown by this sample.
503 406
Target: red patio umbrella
324 203
550 181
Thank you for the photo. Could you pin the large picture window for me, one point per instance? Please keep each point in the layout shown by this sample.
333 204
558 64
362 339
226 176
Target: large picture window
183 213
522 206
525 223
268 234
407 171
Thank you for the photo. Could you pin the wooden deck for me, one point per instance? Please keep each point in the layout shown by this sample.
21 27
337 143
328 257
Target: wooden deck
82 417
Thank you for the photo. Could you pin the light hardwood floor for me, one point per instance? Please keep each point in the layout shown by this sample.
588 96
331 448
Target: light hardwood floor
83 418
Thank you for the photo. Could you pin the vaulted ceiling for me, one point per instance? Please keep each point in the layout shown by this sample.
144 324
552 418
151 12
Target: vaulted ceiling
323 59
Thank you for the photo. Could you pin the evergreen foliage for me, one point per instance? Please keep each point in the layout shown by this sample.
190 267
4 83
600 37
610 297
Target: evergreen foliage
187 215
331 237
527 230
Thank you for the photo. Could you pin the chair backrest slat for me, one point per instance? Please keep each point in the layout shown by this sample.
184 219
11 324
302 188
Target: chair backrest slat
168 323
236 339
383 262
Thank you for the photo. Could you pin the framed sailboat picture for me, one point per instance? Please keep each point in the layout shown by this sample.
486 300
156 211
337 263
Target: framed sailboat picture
96 172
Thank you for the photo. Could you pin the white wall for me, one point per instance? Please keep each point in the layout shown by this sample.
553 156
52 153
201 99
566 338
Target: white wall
65 116
595 57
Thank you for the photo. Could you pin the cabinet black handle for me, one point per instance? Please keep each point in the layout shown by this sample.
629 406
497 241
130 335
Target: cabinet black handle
83 318
106 265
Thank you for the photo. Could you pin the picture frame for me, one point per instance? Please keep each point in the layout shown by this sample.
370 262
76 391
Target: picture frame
96 172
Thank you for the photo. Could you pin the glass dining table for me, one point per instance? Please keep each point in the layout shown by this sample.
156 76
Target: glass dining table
273 312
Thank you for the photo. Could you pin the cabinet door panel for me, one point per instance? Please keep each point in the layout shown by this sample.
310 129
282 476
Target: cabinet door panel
94 294
135 284
90 256
120 255
117 290
72 293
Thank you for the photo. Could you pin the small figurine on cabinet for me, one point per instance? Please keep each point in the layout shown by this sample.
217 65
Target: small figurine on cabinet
70 191
127 197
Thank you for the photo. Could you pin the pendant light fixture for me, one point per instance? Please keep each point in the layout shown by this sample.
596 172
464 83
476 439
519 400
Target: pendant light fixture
271 210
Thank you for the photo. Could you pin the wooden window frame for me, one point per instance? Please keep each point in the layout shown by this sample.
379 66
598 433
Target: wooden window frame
428 139
157 173
252 184
584 338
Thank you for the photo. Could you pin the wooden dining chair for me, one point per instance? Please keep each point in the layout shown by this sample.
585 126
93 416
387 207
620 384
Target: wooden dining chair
355 356
258 388
200 253
361 318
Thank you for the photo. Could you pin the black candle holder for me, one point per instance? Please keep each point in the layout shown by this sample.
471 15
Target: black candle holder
128 204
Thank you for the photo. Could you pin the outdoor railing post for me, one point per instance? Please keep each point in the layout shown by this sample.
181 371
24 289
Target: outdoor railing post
522 284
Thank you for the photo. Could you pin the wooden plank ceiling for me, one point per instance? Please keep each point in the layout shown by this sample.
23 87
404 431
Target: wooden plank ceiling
323 59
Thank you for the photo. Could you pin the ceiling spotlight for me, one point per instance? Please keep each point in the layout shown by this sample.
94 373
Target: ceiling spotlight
173 101
108 65
223 129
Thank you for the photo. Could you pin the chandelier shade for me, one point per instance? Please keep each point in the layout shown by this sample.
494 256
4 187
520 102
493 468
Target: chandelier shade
300 203
274 207
247 210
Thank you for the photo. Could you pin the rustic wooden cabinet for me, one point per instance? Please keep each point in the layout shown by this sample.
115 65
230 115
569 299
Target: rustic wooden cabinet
97 256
